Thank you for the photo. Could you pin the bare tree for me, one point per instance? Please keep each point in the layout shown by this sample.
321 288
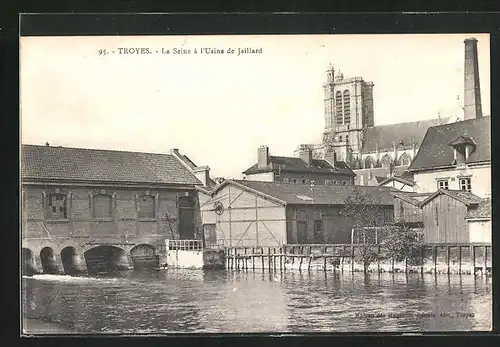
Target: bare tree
366 216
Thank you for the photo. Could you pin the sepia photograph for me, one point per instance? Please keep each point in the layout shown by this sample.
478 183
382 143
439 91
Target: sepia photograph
255 184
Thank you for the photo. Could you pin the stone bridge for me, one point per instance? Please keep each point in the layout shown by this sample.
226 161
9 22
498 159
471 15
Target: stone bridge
74 255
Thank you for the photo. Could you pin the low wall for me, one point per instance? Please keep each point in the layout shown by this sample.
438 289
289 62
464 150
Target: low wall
436 258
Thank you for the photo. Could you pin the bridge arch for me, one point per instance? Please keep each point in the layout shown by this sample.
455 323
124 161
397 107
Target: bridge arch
71 261
144 256
28 262
106 258
49 261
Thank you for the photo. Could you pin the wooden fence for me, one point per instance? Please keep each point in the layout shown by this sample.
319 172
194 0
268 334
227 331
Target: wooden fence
435 258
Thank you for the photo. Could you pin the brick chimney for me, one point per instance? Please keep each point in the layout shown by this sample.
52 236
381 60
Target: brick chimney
203 174
472 92
263 157
305 153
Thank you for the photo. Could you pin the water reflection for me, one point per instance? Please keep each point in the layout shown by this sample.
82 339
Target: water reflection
229 301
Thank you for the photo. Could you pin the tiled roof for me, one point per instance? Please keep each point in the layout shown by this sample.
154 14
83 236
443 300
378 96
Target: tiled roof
436 151
483 210
411 197
397 179
383 137
80 164
293 164
465 197
302 194
365 173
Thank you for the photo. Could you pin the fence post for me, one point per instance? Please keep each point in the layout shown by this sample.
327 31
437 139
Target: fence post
262 257
460 260
448 258
434 258
269 258
485 259
253 258
324 254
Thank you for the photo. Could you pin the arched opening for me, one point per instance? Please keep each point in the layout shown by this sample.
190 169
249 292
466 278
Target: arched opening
144 257
48 259
28 262
106 259
71 261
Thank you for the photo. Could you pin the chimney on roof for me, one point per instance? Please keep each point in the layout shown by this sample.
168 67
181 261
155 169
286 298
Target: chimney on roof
263 157
472 91
203 174
47 144
305 153
175 151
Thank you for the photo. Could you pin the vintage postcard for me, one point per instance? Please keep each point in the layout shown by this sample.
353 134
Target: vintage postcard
258 183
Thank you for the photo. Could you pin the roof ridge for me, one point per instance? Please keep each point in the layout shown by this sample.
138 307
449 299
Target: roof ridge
95 149
406 123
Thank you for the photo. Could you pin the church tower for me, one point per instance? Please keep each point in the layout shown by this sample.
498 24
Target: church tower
348 105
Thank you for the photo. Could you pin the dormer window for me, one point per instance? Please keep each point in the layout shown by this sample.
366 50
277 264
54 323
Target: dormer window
463 147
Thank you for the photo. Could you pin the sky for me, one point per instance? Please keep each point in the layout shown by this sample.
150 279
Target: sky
219 108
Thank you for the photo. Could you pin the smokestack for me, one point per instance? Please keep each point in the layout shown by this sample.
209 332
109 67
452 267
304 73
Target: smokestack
472 91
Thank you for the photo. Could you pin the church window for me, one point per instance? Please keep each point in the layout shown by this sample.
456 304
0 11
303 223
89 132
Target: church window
340 138
339 118
347 107
347 138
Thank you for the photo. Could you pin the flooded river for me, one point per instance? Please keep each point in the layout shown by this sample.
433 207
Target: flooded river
194 301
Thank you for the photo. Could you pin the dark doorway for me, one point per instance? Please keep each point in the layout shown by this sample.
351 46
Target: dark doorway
301 232
144 257
28 262
71 261
48 260
187 208
106 259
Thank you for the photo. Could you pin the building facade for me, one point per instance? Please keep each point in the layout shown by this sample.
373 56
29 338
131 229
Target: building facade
455 156
86 209
300 170
258 214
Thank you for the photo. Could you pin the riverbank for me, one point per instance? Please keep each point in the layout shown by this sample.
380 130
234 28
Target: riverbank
33 326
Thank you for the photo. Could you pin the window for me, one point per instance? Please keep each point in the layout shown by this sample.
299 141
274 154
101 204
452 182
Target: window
318 231
339 118
340 138
465 184
146 205
347 138
443 184
347 107
304 181
102 206
57 206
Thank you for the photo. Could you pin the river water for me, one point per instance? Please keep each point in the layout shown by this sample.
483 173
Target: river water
193 301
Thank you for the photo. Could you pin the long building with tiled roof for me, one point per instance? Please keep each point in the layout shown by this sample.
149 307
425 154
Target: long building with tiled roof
49 163
301 170
97 210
